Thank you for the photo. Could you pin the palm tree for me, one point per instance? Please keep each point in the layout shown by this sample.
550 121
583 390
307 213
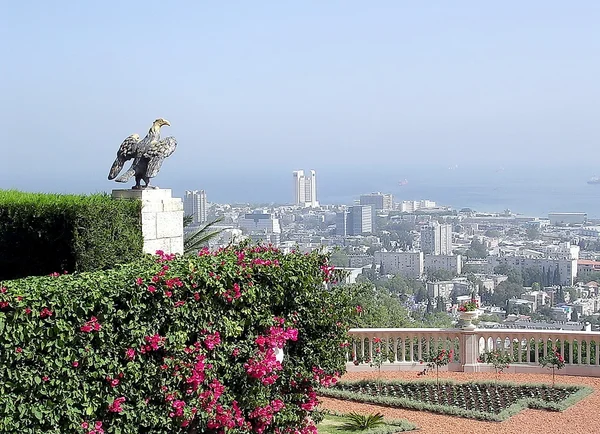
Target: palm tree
194 241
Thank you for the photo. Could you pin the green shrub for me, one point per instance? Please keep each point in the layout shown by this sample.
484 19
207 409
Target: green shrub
164 345
46 233
360 422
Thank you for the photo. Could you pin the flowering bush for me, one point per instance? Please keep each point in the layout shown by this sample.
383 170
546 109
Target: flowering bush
469 306
236 340
553 360
435 358
500 360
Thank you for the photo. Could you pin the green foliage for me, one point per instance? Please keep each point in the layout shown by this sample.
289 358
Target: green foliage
154 339
477 250
339 259
440 275
196 240
500 360
333 422
362 422
553 360
46 233
458 399
379 308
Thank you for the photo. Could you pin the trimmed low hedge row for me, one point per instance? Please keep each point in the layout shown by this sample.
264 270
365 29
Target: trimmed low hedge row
576 394
173 345
46 233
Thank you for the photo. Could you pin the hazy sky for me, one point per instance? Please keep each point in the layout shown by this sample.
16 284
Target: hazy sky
286 85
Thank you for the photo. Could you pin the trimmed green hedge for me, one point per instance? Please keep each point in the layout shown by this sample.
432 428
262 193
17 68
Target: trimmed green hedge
173 345
46 233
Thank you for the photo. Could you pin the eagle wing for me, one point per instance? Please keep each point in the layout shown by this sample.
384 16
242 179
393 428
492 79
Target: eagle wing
127 151
156 154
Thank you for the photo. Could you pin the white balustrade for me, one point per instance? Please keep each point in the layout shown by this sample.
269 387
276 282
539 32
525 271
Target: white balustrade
403 349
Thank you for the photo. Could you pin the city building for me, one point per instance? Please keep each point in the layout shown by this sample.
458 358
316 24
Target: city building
459 286
305 189
194 204
379 201
415 205
356 220
567 218
436 239
408 264
559 271
452 263
261 226
586 267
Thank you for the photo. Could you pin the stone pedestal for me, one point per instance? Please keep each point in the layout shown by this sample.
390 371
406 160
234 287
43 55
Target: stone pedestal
162 218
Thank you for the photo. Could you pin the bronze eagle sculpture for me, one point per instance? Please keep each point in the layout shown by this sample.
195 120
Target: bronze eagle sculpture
148 155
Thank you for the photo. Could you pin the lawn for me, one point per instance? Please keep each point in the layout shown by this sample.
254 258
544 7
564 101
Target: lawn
332 424
481 400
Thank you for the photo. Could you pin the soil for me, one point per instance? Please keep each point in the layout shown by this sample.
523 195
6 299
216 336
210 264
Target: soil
582 417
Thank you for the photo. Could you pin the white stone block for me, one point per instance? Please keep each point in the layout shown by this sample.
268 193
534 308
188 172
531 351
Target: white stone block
175 204
149 225
177 245
155 207
151 246
162 218
169 224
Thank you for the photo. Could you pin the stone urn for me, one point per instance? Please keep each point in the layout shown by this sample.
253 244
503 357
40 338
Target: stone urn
468 318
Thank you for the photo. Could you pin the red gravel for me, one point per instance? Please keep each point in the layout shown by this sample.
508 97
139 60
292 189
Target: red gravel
583 417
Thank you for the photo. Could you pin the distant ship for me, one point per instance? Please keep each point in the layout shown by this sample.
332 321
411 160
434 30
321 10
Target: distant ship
594 180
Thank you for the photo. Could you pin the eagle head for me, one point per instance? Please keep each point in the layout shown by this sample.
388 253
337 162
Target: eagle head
160 122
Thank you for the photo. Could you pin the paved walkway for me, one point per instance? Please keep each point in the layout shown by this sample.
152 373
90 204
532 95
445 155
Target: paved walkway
581 418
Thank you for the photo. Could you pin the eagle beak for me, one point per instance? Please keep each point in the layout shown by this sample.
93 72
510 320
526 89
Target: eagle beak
167 123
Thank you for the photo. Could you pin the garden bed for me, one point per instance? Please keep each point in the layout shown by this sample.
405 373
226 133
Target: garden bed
481 400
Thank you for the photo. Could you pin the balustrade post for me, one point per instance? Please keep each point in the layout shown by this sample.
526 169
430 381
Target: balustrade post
469 350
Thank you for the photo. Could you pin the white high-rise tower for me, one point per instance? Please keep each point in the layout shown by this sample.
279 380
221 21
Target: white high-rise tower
305 189
194 204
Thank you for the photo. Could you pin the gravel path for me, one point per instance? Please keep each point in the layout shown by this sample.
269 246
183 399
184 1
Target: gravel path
583 417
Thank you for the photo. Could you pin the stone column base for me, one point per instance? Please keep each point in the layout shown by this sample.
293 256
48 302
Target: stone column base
162 218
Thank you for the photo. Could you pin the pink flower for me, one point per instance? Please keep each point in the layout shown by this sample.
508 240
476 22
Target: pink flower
151 288
85 425
359 309
130 353
75 364
19 350
45 313
90 325
115 407
27 311
45 378
139 281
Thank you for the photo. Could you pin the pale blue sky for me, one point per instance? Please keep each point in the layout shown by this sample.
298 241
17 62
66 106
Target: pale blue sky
289 85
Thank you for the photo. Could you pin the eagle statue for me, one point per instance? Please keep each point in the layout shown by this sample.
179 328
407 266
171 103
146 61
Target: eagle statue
148 155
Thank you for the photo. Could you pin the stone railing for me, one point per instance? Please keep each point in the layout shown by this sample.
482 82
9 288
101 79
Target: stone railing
403 349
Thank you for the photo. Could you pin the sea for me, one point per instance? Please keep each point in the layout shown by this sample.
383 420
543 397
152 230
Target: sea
530 190
526 190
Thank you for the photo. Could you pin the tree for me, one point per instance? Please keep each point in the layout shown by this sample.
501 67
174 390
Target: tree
440 275
477 250
339 259
514 274
379 308
574 316
505 291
